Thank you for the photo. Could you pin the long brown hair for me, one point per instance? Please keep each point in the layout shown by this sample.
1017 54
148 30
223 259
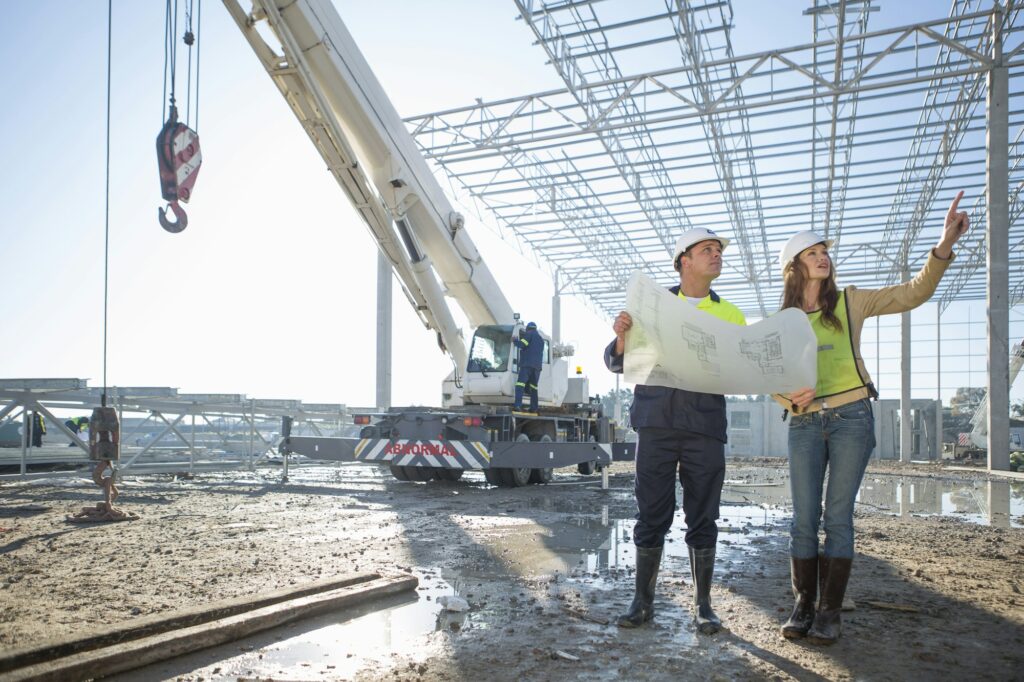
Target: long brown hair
794 277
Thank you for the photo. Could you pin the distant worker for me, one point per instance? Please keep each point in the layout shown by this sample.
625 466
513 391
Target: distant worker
832 428
531 360
76 425
679 433
38 429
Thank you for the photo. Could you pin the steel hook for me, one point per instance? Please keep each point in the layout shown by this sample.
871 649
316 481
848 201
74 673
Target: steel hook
179 213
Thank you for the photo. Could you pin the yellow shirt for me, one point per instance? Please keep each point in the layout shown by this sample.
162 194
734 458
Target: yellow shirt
721 309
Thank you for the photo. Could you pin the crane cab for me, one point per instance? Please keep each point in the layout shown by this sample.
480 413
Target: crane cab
493 366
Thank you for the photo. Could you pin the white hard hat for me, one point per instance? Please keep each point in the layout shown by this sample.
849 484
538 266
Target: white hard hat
797 243
696 236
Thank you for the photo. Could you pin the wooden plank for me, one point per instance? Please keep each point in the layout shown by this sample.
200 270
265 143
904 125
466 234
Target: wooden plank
140 652
163 622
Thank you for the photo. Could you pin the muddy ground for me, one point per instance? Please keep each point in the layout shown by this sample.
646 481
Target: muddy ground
936 589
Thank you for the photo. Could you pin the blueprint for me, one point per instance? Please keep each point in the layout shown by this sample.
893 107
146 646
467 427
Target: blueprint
674 344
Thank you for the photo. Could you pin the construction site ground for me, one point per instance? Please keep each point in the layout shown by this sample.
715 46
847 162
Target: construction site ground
936 591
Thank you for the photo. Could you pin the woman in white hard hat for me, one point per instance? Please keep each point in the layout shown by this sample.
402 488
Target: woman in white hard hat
832 426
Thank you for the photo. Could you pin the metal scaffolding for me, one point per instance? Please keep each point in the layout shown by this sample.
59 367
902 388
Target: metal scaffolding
233 429
862 134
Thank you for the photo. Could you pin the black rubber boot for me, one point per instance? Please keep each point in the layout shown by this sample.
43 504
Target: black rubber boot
702 568
648 560
827 624
804 574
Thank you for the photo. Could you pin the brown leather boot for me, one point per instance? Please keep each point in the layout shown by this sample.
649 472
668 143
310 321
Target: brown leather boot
827 624
804 574
648 560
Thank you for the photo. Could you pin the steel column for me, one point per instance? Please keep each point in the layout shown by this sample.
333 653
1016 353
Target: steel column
998 238
906 431
938 375
556 311
26 434
192 444
252 429
384 275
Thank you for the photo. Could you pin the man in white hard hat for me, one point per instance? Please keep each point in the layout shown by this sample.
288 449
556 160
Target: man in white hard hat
679 433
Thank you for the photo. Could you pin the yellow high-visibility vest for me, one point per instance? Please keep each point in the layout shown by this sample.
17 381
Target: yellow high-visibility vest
719 307
837 365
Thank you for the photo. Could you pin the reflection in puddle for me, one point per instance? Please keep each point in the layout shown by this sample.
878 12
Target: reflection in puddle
326 647
592 544
993 503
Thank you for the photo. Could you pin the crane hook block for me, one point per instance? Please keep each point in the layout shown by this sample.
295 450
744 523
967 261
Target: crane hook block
178 157
104 435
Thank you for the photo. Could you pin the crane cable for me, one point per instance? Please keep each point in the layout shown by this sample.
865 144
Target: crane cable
106 208
170 52
190 39
104 425
177 145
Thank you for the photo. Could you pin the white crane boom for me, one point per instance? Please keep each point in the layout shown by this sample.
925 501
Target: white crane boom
346 113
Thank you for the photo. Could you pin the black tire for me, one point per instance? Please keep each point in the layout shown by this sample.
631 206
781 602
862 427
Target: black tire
588 468
542 475
399 473
492 476
515 477
421 474
448 474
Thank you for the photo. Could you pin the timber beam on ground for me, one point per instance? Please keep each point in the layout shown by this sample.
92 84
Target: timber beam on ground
162 637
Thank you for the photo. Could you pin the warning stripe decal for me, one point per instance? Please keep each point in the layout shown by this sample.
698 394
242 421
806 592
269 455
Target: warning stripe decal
432 453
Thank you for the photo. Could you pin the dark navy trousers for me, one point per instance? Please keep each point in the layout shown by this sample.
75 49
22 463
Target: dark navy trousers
699 461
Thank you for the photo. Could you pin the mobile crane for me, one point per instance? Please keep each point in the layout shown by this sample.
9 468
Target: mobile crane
978 436
333 92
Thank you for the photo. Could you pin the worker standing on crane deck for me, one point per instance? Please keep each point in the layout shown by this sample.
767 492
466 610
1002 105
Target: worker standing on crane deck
679 431
832 426
531 360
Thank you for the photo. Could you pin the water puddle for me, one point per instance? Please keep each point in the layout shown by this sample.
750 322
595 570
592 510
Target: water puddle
994 503
546 546
411 626
991 503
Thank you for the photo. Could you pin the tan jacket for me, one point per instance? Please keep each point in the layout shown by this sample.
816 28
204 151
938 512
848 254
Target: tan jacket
864 303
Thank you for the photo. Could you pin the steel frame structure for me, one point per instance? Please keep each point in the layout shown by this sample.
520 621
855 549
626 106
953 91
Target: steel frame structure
220 416
862 135
855 133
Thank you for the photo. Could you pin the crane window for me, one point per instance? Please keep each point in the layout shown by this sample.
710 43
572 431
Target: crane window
491 348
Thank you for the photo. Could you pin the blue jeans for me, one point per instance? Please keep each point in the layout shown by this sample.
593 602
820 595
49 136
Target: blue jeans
839 440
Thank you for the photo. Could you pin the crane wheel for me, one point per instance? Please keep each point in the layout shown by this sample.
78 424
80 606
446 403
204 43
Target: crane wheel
448 474
421 474
588 468
542 475
515 477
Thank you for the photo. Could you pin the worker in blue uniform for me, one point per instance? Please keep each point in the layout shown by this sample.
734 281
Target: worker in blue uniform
679 433
531 360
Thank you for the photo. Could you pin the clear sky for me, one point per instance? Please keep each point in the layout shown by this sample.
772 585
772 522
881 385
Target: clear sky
270 291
